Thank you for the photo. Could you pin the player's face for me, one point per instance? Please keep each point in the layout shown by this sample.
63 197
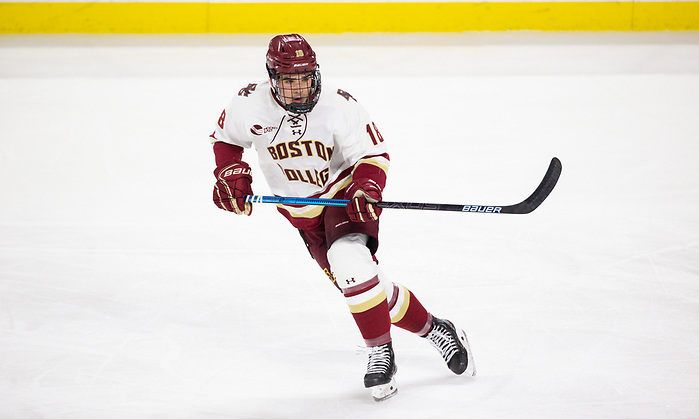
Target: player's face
295 88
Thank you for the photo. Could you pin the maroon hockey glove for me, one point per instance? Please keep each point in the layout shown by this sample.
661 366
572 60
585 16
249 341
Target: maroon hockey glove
362 193
232 184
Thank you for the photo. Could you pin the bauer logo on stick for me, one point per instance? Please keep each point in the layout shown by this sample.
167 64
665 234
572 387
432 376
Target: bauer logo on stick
480 208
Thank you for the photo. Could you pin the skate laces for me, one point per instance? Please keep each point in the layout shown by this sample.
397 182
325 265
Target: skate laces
442 339
379 359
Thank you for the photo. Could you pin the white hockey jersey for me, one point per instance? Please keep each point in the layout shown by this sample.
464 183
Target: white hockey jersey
307 155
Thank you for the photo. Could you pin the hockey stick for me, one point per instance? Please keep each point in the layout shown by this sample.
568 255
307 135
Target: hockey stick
524 207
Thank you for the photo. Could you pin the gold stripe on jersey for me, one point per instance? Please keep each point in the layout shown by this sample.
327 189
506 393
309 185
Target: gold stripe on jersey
306 211
312 211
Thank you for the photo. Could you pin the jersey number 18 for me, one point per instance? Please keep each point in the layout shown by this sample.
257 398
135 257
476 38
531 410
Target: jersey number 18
374 133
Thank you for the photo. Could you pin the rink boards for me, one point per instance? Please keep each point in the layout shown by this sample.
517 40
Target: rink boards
343 17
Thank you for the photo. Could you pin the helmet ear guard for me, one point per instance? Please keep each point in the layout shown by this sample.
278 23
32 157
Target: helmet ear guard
291 55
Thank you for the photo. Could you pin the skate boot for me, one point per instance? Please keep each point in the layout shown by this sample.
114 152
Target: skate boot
380 372
453 345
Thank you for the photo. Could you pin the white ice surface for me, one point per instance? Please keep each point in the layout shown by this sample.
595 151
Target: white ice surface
125 293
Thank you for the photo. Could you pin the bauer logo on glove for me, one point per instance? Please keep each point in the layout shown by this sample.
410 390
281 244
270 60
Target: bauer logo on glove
236 171
232 184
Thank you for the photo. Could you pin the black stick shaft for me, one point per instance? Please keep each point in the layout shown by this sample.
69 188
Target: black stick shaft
525 207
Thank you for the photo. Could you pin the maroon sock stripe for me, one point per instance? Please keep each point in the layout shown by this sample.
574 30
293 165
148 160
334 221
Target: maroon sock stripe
385 338
394 298
363 287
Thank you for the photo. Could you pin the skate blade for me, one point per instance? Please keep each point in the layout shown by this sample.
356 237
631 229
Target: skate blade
384 391
471 367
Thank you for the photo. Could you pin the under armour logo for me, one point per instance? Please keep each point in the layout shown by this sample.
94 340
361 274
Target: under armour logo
349 281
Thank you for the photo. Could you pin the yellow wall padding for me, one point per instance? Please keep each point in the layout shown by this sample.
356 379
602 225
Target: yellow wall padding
121 17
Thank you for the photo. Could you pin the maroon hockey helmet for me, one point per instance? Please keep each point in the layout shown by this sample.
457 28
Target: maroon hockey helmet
292 56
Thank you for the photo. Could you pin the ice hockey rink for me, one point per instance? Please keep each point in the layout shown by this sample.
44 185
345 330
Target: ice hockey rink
125 293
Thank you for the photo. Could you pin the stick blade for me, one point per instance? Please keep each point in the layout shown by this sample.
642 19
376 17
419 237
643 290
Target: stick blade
540 193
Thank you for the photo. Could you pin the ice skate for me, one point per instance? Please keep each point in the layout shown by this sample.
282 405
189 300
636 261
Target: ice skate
452 345
380 372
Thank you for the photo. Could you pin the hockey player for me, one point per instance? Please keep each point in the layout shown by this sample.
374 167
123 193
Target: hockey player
321 143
